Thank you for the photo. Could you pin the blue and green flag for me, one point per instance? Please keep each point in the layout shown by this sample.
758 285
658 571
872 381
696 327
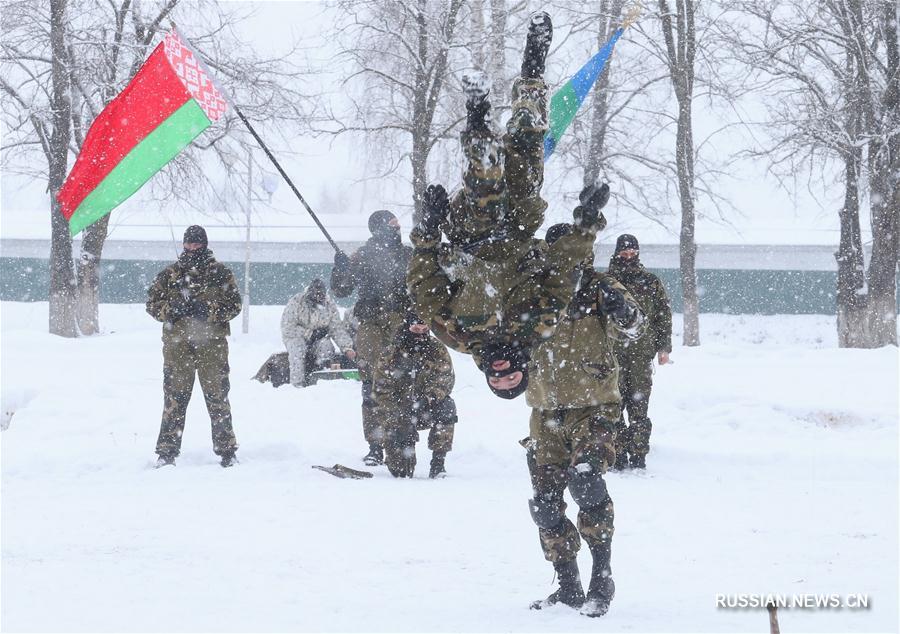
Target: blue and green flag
567 100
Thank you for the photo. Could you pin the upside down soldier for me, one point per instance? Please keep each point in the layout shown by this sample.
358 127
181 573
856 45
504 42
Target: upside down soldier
494 290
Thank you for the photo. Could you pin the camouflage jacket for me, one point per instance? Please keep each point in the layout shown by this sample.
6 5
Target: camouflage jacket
577 366
470 300
410 379
377 272
650 293
207 281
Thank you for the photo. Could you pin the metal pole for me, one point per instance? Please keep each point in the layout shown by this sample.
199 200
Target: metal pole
246 320
287 178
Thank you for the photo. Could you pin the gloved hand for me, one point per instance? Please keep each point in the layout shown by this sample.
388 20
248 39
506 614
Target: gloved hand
612 302
592 198
435 207
198 309
179 308
341 260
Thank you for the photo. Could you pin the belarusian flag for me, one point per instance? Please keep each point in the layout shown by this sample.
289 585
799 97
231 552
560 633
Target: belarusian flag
165 106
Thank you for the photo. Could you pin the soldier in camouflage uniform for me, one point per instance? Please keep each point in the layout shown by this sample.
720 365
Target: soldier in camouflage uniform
636 357
575 399
377 272
412 386
494 284
195 298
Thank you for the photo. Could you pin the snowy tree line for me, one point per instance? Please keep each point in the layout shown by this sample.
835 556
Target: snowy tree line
827 71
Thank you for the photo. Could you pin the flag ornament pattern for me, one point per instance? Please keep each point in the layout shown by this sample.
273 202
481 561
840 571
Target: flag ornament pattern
166 105
567 100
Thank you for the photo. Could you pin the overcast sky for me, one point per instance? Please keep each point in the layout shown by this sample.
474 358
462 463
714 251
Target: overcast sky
332 178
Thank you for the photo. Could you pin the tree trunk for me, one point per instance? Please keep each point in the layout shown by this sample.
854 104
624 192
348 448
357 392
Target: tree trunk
88 276
480 34
850 281
608 21
62 278
687 244
420 173
681 52
498 51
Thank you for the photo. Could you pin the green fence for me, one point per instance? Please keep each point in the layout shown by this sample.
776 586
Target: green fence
721 290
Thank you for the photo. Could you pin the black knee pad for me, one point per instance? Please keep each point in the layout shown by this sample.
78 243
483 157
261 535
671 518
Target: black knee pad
588 489
545 513
444 412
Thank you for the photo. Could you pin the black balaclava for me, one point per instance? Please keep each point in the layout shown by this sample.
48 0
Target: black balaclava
626 241
518 362
195 234
316 292
381 230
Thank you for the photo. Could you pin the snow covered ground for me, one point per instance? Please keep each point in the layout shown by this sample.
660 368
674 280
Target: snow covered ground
774 470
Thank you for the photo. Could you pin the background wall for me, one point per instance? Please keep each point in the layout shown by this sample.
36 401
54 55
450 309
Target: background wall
767 280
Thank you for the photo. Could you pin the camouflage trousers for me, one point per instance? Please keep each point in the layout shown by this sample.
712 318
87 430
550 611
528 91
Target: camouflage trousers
559 440
373 338
501 193
182 361
635 383
402 432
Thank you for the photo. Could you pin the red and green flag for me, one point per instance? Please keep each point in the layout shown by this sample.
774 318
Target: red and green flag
168 103
566 101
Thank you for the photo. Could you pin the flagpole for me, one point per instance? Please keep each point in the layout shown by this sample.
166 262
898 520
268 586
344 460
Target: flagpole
262 144
284 175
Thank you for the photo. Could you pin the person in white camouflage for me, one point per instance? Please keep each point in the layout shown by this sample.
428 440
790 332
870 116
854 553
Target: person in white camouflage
309 324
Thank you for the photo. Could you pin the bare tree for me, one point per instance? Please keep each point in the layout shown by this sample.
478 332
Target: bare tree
56 80
832 74
681 47
402 54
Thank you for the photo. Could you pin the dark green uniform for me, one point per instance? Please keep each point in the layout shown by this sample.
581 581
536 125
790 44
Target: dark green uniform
411 393
575 399
377 272
494 280
195 345
636 357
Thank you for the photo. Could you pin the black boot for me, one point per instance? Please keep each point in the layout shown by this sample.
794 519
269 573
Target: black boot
602 588
228 460
621 461
638 460
437 465
540 34
375 456
478 108
570 591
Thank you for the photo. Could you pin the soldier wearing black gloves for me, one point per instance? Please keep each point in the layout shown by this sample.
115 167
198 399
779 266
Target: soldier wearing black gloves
493 284
377 272
575 403
195 298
